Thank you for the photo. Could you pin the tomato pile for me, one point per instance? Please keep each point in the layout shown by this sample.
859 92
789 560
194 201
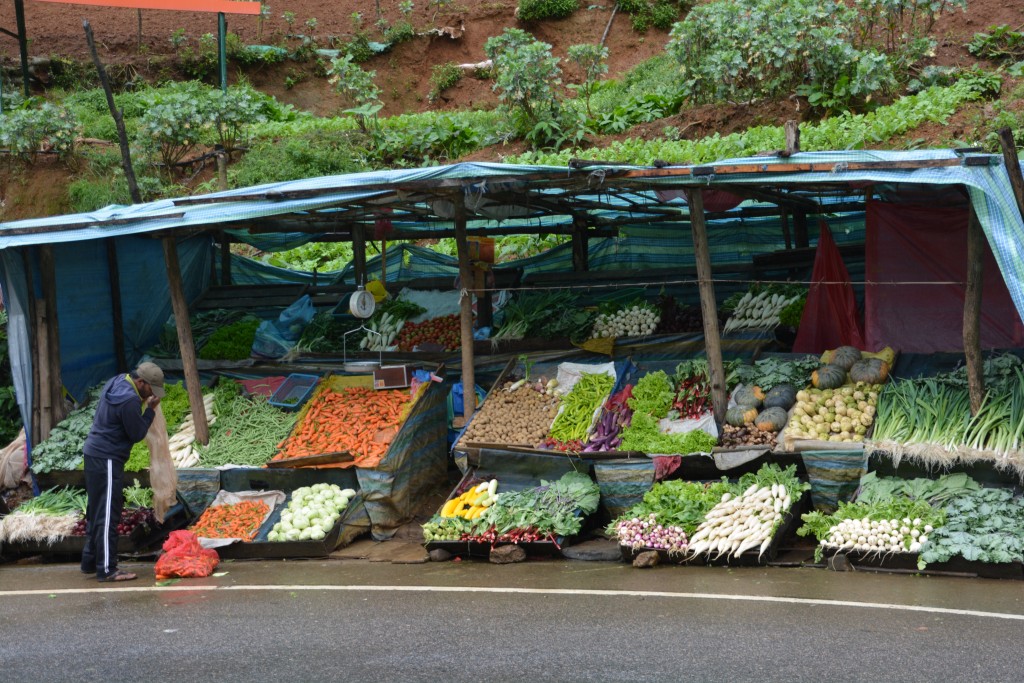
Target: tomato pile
445 331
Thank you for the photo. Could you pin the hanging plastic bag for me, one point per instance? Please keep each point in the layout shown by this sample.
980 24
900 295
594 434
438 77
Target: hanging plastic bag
13 463
830 318
163 477
275 338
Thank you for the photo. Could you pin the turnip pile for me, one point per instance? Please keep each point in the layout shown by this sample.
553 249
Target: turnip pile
641 319
647 533
312 513
878 536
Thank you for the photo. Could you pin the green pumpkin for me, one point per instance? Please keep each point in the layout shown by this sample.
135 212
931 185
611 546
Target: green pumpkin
772 420
740 415
828 377
781 396
845 357
749 396
870 370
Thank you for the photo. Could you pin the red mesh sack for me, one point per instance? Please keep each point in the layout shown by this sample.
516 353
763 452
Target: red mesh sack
185 558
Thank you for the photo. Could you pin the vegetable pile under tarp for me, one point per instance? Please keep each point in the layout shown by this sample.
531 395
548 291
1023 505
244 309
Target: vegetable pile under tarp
653 397
47 518
232 520
358 420
547 512
247 432
577 411
929 420
555 314
708 521
62 450
938 519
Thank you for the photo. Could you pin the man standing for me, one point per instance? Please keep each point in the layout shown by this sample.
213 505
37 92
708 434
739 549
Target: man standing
124 413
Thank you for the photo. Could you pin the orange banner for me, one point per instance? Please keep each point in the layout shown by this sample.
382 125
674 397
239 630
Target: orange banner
224 6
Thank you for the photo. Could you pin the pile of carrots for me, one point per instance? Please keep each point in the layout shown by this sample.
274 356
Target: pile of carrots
234 520
355 419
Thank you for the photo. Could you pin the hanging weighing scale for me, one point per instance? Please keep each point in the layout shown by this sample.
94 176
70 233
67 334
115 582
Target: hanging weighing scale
361 305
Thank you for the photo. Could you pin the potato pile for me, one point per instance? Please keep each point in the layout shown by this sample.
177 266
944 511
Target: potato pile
521 417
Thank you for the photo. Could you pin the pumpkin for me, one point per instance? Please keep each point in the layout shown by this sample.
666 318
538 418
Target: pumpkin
780 396
740 415
828 377
749 396
870 370
845 356
772 420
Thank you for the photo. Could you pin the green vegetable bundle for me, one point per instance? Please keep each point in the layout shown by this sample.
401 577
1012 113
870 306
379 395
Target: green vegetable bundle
62 450
578 407
232 342
643 434
652 395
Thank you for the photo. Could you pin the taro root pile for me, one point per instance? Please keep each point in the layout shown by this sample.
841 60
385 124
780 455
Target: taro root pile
747 435
519 414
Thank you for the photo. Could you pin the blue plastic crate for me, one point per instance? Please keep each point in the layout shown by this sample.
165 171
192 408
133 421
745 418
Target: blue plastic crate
294 391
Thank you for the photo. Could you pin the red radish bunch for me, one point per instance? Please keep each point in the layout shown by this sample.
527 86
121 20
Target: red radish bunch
130 519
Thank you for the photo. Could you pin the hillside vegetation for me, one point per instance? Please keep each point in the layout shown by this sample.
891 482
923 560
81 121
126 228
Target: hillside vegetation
716 80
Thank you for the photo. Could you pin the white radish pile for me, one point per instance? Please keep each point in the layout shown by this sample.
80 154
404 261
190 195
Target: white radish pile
387 329
182 444
741 523
878 536
647 533
758 312
630 321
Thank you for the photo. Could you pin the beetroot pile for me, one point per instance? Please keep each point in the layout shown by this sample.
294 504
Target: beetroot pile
130 519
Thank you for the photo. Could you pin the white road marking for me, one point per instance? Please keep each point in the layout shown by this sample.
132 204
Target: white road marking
529 591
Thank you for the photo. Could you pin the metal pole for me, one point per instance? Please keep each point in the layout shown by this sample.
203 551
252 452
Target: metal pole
222 49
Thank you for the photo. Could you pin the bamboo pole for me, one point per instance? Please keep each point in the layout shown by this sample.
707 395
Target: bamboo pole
972 312
185 343
465 309
709 309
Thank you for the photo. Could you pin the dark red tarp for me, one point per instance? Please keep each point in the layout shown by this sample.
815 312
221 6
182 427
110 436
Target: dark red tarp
922 244
830 316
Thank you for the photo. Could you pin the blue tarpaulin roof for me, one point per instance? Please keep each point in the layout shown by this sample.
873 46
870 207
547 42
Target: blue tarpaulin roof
417 202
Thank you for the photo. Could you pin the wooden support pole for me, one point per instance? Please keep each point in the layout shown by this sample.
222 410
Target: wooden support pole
48 271
225 258
35 428
784 218
800 228
709 309
465 309
43 396
117 314
1012 164
19 18
359 254
580 241
972 312
185 343
792 139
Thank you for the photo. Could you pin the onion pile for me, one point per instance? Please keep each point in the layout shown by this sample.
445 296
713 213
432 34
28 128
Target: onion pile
647 533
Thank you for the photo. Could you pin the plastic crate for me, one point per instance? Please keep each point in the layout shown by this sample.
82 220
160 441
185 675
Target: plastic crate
295 390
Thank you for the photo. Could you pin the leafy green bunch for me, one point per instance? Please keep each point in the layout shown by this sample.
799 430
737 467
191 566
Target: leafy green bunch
25 131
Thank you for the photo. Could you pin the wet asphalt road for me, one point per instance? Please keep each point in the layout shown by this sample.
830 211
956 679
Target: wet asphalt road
363 621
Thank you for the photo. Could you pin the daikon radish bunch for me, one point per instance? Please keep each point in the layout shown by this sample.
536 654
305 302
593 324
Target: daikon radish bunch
182 444
744 522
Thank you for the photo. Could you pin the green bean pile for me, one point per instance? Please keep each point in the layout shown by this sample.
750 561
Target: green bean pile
577 414
247 432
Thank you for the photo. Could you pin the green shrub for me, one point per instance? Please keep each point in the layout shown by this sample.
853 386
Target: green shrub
180 116
306 155
442 77
399 32
538 10
25 130
527 76
741 51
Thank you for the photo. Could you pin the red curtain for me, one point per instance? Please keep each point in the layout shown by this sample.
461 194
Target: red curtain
923 244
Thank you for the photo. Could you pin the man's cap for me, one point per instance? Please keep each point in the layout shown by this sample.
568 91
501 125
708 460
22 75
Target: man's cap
154 377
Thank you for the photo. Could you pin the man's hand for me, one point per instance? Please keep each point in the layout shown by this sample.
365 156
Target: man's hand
152 402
